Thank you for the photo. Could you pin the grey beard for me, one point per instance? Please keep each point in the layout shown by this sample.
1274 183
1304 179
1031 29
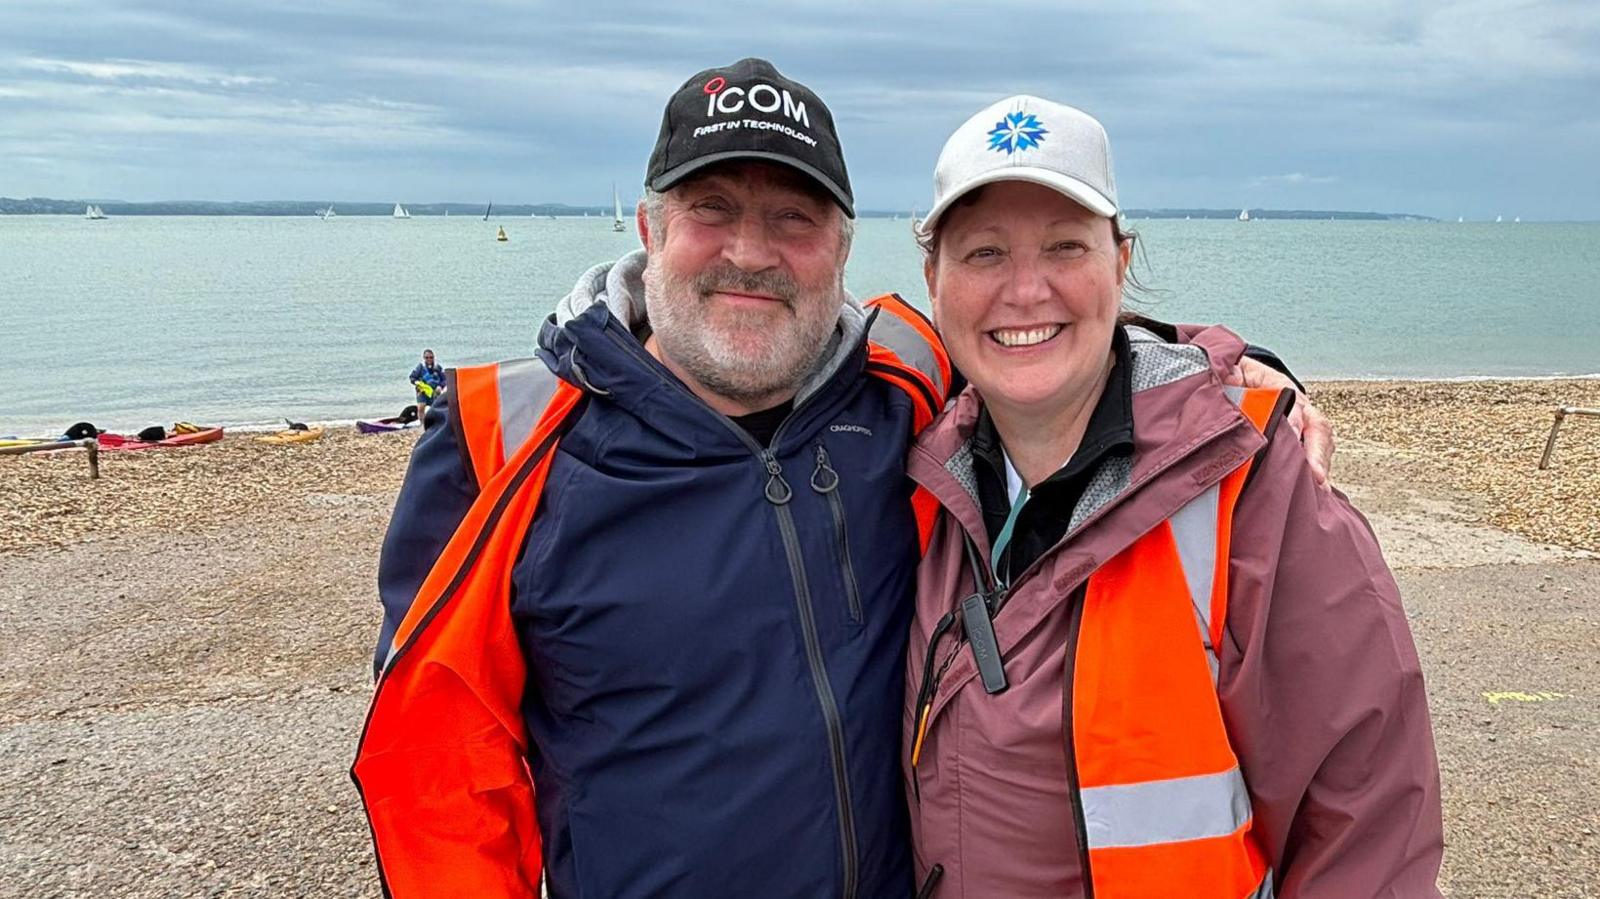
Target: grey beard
681 329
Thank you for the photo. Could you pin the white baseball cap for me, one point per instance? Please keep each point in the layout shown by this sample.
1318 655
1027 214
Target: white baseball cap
1024 138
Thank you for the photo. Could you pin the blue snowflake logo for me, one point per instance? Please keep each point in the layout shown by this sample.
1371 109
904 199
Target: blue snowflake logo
1017 131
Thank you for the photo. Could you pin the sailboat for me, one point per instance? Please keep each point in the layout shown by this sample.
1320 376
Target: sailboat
1244 215
400 212
1498 220
1458 219
94 214
1517 220
326 214
616 210
487 211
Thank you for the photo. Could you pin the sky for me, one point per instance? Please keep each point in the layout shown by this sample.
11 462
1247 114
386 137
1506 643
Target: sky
1470 108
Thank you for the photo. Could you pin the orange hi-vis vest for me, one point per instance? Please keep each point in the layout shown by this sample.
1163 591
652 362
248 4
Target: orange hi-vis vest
1165 810
442 761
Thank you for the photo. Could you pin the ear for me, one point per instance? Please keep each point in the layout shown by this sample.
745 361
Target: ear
1124 259
642 223
930 277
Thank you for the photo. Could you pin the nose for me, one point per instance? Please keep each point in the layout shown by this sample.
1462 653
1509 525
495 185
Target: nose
750 246
1028 281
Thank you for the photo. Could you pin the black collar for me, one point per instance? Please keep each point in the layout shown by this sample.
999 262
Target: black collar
1045 520
1110 424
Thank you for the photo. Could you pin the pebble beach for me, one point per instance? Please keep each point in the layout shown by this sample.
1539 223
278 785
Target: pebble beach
1481 438
189 645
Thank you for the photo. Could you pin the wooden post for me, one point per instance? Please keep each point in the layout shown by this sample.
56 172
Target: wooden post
88 443
1555 428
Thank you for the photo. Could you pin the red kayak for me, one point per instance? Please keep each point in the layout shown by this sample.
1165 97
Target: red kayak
124 442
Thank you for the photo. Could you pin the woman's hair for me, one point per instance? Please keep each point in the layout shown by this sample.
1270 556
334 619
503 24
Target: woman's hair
1132 287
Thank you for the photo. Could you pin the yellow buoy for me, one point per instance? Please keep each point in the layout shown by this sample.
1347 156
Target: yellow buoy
501 235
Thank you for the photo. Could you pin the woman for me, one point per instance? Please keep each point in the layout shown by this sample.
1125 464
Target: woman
1150 657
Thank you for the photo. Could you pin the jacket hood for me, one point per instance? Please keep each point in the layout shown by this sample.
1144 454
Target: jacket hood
618 287
1168 424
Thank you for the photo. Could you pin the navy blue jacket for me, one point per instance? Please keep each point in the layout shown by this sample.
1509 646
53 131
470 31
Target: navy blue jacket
433 376
714 631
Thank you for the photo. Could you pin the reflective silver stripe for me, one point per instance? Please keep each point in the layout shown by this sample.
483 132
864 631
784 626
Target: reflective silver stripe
1194 530
526 388
1265 890
1165 811
1234 393
909 344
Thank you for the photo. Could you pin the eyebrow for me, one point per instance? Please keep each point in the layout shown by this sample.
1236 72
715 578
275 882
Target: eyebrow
792 182
1075 223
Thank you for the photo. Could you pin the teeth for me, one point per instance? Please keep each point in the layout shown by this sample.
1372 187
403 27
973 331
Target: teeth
1027 337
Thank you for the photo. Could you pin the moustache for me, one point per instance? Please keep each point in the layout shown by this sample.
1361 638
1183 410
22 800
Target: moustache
735 280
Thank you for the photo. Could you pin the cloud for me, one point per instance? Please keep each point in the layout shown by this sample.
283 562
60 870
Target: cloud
142 70
1363 103
1293 178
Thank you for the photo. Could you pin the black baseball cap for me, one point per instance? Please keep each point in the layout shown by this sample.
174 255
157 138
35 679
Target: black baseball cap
749 111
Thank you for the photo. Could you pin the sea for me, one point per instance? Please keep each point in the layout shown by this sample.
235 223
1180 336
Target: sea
240 321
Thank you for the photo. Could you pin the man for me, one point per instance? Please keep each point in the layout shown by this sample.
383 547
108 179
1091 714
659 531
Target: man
427 378
675 606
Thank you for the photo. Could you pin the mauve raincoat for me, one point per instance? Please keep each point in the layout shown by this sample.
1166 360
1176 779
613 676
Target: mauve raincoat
1320 686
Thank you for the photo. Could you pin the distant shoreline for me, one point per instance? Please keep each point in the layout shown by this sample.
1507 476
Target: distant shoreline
365 209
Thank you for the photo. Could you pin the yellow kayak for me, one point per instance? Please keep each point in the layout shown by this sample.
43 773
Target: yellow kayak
309 435
22 441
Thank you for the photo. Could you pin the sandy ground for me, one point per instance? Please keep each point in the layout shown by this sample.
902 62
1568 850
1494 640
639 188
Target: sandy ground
187 647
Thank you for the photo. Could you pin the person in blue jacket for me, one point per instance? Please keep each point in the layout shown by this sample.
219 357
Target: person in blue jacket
428 380
713 597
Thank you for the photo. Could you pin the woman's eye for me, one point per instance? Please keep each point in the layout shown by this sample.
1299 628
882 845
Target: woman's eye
983 254
1069 247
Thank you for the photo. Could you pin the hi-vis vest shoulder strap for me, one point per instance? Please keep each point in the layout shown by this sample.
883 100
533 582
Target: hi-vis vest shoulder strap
497 405
904 350
1165 808
441 764
496 408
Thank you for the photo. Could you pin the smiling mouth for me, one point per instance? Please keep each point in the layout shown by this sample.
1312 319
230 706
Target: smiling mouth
1024 337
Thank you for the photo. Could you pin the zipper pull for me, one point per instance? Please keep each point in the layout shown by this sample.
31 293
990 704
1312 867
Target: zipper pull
824 480
777 491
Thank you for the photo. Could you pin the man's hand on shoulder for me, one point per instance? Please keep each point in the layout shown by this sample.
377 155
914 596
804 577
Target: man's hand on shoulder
1314 428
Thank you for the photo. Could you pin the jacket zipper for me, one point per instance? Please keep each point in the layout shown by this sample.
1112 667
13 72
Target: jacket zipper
826 482
1074 622
994 596
778 493
925 691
